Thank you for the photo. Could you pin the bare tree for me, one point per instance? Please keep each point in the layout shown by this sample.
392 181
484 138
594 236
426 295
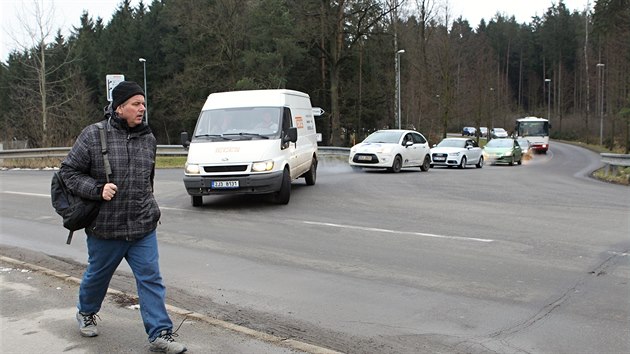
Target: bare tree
37 25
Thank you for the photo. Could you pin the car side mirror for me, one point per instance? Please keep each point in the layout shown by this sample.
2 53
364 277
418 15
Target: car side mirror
184 139
408 143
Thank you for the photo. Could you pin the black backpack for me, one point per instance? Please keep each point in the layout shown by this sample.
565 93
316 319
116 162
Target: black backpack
77 213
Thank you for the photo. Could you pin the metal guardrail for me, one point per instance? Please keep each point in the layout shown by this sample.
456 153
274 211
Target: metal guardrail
616 159
612 161
162 150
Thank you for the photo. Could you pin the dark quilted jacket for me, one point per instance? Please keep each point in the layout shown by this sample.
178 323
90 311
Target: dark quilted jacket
133 212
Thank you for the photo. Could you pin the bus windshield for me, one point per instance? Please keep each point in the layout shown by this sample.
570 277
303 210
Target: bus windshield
532 128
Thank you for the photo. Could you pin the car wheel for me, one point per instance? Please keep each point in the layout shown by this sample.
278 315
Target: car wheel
284 194
196 200
512 161
480 162
520 161
426 164
311 174
462 163
397 165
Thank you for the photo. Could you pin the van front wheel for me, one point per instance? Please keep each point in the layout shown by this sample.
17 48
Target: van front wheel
284 194
311 174
196 200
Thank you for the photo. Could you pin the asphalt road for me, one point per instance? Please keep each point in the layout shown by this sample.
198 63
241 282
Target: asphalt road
508 259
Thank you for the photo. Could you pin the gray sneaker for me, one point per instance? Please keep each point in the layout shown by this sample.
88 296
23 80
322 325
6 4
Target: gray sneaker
87 324
166 344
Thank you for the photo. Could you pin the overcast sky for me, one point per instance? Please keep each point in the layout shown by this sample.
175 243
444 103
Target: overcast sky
68 13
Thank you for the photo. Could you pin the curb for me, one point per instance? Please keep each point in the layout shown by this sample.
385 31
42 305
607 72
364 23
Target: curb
284 342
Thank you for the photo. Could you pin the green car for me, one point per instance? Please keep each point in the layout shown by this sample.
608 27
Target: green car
503 150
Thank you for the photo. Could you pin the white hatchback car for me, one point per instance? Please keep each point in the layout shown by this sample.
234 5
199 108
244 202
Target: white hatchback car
498 133
393 149
458 152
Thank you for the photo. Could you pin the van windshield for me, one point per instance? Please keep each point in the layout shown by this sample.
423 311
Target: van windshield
240 123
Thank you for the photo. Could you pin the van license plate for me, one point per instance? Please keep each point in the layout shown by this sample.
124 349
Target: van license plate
224 184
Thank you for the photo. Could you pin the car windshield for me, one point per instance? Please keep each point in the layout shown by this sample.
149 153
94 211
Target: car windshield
452 143
383 136
504 143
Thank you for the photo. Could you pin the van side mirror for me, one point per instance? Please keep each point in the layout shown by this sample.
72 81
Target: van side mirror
184 139
291 135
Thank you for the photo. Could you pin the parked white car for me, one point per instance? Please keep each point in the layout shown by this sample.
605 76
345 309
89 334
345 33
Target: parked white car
459 152
393 149
498 133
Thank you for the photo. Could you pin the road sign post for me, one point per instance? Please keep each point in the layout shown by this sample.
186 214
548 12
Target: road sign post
111 82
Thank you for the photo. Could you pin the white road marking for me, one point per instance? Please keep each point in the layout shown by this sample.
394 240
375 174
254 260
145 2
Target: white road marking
622 254
29 194
175 209
373 229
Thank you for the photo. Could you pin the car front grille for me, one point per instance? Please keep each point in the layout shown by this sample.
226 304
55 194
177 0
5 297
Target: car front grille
439 158
365 158
224 169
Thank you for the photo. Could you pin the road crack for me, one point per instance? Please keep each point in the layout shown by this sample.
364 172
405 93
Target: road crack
548 309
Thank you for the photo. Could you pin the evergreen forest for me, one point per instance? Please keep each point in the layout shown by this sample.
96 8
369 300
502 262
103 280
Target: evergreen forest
572 67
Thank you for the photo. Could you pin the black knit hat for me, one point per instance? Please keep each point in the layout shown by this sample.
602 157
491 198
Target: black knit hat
124 91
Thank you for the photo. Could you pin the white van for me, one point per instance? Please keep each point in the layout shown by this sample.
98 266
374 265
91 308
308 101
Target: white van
251 142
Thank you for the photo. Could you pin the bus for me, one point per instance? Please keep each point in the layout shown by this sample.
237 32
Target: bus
536 130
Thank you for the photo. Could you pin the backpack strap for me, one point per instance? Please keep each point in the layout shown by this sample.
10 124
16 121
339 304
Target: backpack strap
108 167
69 239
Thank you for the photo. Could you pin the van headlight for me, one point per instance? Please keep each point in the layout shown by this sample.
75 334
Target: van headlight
262 166
191 169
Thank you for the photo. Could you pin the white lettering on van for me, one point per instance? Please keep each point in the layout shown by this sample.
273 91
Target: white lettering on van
221 150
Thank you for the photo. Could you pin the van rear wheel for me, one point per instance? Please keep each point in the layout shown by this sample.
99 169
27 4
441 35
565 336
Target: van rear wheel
284 194
196 200
311 174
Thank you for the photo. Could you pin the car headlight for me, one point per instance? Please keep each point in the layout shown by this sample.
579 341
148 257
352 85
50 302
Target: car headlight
192 169
454 154
262 166
386 150
508 153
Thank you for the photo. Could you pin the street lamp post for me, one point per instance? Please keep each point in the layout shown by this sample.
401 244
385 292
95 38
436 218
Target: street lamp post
548 82
600 74
146 94
398 53
490 128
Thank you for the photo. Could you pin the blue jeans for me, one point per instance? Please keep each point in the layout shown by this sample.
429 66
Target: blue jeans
104 256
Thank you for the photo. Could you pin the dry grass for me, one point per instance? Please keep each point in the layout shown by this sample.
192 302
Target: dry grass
619 175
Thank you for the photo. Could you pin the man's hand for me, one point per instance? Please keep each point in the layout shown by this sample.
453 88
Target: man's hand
109 191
